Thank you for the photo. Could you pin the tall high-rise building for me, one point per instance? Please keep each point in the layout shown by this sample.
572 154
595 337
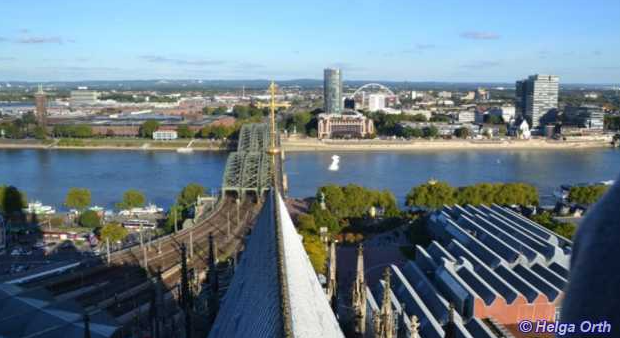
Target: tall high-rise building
536 96
332 90
40 102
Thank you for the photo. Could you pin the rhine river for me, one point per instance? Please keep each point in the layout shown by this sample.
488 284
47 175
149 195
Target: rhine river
46 175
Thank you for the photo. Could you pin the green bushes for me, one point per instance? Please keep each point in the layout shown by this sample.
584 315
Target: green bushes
546 220
342 205
89 219
73 131
434 195
587 195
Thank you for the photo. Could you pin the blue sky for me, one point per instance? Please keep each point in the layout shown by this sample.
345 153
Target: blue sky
413 40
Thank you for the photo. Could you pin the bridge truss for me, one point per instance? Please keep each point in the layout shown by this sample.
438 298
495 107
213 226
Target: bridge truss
250 168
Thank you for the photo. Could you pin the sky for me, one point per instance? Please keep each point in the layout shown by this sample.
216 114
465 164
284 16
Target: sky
397 40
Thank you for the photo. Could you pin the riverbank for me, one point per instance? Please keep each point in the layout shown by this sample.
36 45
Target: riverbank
114 144
311 144
300 145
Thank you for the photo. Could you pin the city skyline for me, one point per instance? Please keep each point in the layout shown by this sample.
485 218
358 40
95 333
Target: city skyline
448 42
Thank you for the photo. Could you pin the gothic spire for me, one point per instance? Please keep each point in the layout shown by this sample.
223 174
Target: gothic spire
387 329
450 327
415 326
331 277
358 297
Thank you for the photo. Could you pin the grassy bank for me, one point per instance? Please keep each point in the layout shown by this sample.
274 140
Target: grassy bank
112 143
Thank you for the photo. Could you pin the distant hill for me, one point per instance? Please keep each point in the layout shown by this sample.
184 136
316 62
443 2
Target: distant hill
169 85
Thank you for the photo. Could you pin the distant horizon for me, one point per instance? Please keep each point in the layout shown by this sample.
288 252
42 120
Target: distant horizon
318 80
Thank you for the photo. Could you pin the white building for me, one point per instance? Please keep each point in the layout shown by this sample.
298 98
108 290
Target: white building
165 135
376 102
83 97
507 113
470 96
536 96
466 116
425 112
444 95
523 131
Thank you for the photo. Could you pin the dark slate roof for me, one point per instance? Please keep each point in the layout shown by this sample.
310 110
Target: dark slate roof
25 313
485 253
251 307
275 291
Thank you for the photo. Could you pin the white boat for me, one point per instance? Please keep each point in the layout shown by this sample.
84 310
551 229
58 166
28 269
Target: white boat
38 208
335 166
148 210
185 150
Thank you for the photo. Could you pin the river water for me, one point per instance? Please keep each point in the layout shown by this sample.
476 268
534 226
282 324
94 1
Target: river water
46 175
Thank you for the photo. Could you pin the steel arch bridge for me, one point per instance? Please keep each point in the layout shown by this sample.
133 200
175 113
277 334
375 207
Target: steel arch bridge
373 85
250 168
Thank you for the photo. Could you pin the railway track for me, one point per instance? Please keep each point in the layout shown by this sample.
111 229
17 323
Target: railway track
125 287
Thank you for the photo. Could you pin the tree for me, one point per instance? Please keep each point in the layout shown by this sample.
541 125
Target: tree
78 198
546 220
586 195
612 122
502 130
12 130
220 110
189 194
40 133
316 253
113 232
503 194
440 118
431 132
419 118
174 214
220 132
89 219
462 132
148 128
302 122
241 112
494 119
183 131
417 133
431 195
82 131
306 224
12 201
131 199
407 132
325 219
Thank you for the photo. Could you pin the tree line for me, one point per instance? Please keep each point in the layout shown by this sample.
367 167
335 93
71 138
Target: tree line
587 195
23 127
434 195
13 201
